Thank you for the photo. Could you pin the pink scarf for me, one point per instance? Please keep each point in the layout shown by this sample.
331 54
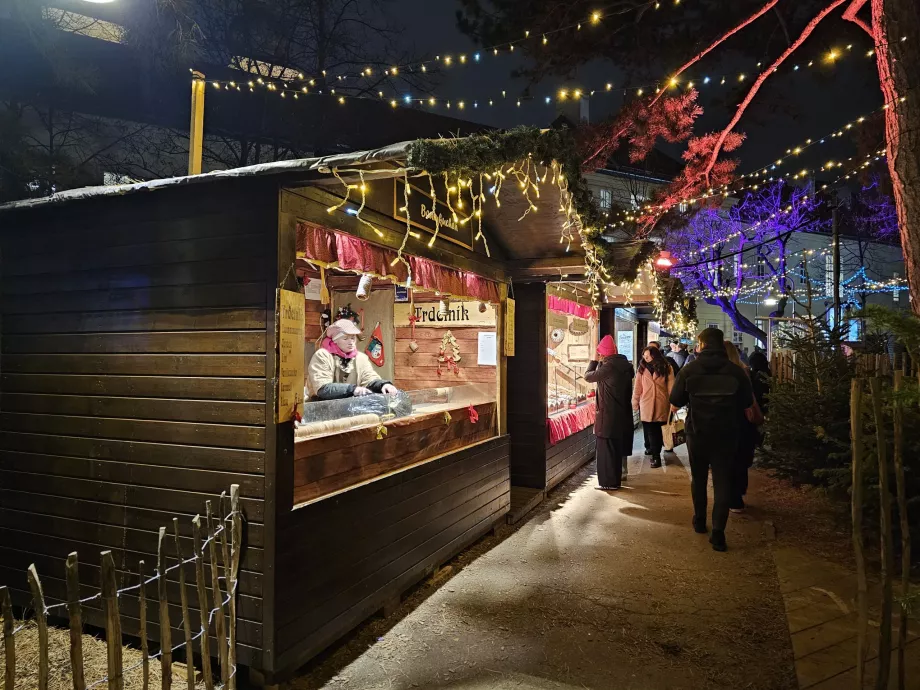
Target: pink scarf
329 346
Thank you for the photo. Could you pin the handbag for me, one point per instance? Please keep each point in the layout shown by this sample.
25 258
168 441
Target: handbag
673 433
754 414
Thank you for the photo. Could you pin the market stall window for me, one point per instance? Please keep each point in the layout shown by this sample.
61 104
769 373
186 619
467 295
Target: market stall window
571 333
398 371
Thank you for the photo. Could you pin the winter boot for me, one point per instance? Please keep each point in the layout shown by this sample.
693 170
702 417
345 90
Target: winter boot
717 539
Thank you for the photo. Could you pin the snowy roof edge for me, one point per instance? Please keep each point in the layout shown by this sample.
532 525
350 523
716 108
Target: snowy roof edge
322 165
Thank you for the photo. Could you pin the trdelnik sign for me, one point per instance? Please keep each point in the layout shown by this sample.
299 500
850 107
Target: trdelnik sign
458 314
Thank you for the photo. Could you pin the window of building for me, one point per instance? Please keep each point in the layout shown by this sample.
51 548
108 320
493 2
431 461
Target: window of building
829 275
605 197
761 267
895 293
713 325
737 337
762 325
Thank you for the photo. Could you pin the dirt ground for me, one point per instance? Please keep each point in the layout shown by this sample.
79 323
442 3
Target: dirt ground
593 590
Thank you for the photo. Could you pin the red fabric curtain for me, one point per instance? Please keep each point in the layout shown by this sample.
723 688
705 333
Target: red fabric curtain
567 306
352 254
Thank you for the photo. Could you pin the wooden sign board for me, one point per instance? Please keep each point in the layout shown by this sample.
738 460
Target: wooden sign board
556 320
458 315
291 317
579 353
509 328
427 214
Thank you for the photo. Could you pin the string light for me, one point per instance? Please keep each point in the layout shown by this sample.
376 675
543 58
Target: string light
283 86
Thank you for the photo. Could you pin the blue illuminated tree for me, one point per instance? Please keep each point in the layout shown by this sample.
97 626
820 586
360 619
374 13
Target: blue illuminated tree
726 255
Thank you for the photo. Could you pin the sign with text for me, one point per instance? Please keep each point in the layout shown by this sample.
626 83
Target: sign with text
457 315
426 213
291 315
509 327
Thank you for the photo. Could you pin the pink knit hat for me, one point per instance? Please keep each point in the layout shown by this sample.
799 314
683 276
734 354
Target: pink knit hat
606 347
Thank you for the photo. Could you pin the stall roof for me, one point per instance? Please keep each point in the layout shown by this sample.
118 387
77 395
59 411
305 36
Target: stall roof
531 240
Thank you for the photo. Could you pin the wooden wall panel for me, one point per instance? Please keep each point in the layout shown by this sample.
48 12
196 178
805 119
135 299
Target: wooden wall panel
340 559
527 388
568 455
420 369
133 358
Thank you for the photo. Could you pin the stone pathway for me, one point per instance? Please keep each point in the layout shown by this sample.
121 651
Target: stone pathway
593 590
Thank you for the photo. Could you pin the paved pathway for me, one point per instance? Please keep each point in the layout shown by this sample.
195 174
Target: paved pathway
820 600
594 590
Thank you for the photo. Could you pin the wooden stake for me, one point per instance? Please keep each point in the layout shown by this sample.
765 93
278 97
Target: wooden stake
225 551
204 609
165 632
76 620
862 595
887 541
112 622
145 648
236 544
903 616
220 621
9 643
186 622
41 618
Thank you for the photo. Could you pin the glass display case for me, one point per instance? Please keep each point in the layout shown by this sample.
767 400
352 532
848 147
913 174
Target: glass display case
568 353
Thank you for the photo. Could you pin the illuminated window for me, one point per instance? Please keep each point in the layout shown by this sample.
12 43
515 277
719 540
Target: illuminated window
829 275
605 197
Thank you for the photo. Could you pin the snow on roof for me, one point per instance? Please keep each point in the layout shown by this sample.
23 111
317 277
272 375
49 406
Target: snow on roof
321 166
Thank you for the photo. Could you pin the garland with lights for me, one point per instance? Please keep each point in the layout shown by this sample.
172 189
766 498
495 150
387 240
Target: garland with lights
483 154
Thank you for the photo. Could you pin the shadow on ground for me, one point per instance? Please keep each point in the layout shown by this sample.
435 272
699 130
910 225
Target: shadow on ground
595 590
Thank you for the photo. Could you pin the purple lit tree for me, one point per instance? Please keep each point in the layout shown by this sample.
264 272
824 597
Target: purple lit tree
724 256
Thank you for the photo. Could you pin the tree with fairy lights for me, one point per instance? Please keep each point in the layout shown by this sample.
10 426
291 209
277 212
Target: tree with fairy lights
724 257
892 25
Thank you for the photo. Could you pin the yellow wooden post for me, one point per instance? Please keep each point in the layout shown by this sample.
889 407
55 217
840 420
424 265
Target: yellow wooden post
196 128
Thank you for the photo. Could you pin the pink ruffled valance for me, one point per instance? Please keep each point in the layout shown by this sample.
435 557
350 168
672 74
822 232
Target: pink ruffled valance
567 306
348 253
570 422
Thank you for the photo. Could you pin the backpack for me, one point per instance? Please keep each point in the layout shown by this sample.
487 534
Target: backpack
713 403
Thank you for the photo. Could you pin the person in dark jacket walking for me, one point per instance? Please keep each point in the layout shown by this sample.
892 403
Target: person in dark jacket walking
718 392
613 426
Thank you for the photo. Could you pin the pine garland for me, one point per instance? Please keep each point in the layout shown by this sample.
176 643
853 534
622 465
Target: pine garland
484 153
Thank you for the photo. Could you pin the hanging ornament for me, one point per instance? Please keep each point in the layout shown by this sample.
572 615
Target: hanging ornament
347 312
449 354
557 336
483 307
363 292
374 348
474 415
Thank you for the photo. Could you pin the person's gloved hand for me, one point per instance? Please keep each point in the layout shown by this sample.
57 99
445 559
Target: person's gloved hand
361 390
389 389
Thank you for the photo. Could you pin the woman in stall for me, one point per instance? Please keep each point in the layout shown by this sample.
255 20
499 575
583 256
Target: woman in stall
339 370
613 427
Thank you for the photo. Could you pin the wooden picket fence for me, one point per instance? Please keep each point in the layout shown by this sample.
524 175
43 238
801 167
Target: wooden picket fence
210 538
783 366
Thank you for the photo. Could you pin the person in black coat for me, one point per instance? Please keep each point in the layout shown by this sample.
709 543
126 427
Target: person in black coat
613 426
718 392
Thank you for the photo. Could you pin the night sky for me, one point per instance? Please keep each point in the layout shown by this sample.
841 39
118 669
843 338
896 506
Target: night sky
792 107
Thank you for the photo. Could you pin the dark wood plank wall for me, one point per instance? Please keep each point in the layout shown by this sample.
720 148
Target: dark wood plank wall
342 558
568 455
134 335
527 388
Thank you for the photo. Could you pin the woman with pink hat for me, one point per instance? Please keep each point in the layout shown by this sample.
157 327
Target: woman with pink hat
613 427
339 370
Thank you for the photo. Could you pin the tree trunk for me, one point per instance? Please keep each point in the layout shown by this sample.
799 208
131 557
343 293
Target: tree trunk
739 320
899 73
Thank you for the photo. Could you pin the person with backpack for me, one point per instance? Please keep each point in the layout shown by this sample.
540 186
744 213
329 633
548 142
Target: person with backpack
654 382
717 392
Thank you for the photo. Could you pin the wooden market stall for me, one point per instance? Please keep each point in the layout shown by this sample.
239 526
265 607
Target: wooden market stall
154 345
